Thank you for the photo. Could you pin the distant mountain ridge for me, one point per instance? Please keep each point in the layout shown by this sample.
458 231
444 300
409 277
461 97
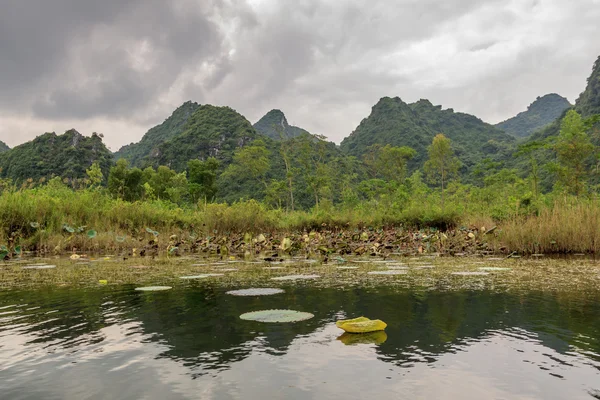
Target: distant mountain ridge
394 122
3 147
543 111
275 125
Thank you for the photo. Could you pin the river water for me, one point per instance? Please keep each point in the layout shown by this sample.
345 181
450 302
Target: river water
189 343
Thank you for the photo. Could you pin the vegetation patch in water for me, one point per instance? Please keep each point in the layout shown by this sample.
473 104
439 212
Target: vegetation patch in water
470 273
295 277
153 288
388 272
256 292
276 316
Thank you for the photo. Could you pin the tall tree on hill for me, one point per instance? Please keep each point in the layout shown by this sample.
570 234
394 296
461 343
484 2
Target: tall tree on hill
573 149
442 164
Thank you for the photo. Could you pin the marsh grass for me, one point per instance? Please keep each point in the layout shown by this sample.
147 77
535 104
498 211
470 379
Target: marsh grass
35 219
567 227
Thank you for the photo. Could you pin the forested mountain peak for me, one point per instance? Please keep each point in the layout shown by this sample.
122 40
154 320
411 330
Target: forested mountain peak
67 155
588 103
211 131
3 147
394 122
275 125
543 111
171 127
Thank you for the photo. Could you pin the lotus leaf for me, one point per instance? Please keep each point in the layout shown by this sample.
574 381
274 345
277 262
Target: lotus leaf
256 292
470 273
276 316
388 272
295 277
153 288
494 269
361 325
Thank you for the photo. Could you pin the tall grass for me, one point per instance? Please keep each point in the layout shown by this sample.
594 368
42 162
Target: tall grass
36 219
568 226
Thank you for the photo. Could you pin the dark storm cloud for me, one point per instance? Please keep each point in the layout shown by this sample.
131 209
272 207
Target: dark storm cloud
127 64
73 58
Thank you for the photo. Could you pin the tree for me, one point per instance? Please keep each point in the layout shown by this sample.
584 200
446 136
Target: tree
250 162
116 179
388 162
573 148
202 179
94 174
442 164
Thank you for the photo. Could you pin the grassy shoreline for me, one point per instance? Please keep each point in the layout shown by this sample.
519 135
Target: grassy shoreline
51 221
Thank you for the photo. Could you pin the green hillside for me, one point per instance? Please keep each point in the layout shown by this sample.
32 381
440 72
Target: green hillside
135 153
209 132
67 155
397 123
275 125
543 111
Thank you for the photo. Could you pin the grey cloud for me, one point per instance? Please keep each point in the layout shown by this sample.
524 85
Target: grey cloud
324 62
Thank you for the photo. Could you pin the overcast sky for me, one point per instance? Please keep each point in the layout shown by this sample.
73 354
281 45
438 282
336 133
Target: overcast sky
119 67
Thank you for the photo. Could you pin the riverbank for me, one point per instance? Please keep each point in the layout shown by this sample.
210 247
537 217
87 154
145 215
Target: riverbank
53 221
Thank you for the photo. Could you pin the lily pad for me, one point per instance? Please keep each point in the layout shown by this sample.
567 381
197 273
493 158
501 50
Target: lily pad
276 316
494 269
153 288
295 277
91 234
203 276
256 292
470 273
388 272
41 266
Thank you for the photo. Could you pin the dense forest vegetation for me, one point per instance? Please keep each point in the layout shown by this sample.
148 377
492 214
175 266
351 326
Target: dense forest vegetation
3 147
415 164
543 111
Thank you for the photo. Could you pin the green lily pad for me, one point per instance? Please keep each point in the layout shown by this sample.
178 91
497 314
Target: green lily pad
91 234
256 292
276 316
34 225
470 273
40 266
202 276
388 272
295 277
494 269
68 228
120 239
153 288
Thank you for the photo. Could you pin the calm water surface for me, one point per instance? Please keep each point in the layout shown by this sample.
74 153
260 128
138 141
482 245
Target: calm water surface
189 343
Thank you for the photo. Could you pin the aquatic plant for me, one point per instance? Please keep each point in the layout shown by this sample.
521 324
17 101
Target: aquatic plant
256 292
276 316
153 288
295 277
